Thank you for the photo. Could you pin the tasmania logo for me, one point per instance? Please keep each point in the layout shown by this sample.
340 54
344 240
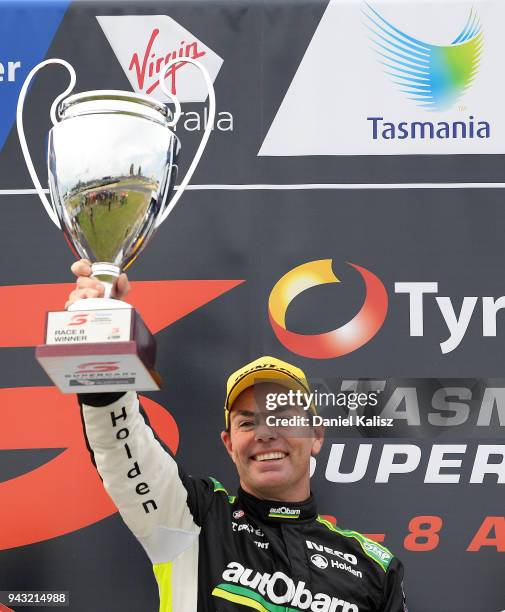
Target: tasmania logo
144 44
433 76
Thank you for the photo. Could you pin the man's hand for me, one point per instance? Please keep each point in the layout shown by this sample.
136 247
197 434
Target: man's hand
89 287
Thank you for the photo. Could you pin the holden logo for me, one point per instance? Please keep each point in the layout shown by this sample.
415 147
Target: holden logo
238 514
319 561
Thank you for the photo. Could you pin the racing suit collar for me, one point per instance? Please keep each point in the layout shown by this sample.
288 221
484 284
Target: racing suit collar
278 511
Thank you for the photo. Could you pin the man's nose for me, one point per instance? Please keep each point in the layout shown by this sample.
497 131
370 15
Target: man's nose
263 432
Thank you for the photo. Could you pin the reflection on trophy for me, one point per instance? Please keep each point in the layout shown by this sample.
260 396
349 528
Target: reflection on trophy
112 165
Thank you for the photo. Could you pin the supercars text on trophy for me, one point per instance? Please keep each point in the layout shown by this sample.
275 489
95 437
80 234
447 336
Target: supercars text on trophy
112 164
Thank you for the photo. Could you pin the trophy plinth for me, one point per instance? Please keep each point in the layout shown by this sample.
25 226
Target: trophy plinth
112 163
97 351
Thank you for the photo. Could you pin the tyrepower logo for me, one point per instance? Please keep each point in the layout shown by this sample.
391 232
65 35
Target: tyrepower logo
419 298
337 342
144 44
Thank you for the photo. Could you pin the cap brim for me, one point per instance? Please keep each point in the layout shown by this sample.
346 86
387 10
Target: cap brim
262 376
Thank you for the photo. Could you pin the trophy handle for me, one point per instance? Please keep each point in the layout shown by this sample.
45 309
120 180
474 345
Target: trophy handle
208 128
48 205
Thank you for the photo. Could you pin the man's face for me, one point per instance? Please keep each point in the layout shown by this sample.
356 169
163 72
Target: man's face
272 464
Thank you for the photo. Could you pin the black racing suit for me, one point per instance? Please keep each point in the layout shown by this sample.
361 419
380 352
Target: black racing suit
215 553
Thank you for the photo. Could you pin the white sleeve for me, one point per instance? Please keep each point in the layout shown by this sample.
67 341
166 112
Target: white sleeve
158 502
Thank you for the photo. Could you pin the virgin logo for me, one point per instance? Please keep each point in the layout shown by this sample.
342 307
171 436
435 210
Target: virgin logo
151 65
144 44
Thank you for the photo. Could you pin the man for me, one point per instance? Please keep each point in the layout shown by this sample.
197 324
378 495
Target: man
265 549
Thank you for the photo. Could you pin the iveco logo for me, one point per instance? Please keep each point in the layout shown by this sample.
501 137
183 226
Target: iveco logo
319 561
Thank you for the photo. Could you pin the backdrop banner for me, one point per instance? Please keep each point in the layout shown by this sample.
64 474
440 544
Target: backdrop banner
347 216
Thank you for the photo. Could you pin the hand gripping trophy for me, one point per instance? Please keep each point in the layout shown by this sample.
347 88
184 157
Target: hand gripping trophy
112 164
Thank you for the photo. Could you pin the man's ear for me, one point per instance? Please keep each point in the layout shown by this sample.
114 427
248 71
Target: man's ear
226 439
318 440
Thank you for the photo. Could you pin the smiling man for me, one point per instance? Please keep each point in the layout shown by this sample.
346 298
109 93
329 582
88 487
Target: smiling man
266 548
272 462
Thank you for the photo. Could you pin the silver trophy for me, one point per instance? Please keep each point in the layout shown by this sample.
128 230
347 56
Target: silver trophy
112 164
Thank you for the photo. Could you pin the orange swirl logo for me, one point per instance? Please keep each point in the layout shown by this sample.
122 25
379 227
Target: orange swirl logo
341 341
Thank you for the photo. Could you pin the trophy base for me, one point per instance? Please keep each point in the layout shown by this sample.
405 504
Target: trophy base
98 304
99 350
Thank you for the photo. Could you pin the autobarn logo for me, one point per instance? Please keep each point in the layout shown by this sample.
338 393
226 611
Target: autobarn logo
264 589
284 512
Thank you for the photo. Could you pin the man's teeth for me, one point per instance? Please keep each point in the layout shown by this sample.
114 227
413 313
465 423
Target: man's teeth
267 456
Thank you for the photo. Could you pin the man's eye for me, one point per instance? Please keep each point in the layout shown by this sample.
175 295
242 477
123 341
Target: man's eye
246 424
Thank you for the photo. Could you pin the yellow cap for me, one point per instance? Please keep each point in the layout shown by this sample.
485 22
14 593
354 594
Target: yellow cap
260 370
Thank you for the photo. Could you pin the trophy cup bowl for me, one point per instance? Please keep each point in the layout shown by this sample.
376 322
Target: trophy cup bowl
112 164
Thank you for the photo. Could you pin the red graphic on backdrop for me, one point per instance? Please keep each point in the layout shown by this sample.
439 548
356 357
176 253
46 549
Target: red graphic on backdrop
152 65
378 537
160 304
66 493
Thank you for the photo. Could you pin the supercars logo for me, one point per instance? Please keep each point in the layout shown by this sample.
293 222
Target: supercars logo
341 341
98 366
433 76
81 318
144 44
